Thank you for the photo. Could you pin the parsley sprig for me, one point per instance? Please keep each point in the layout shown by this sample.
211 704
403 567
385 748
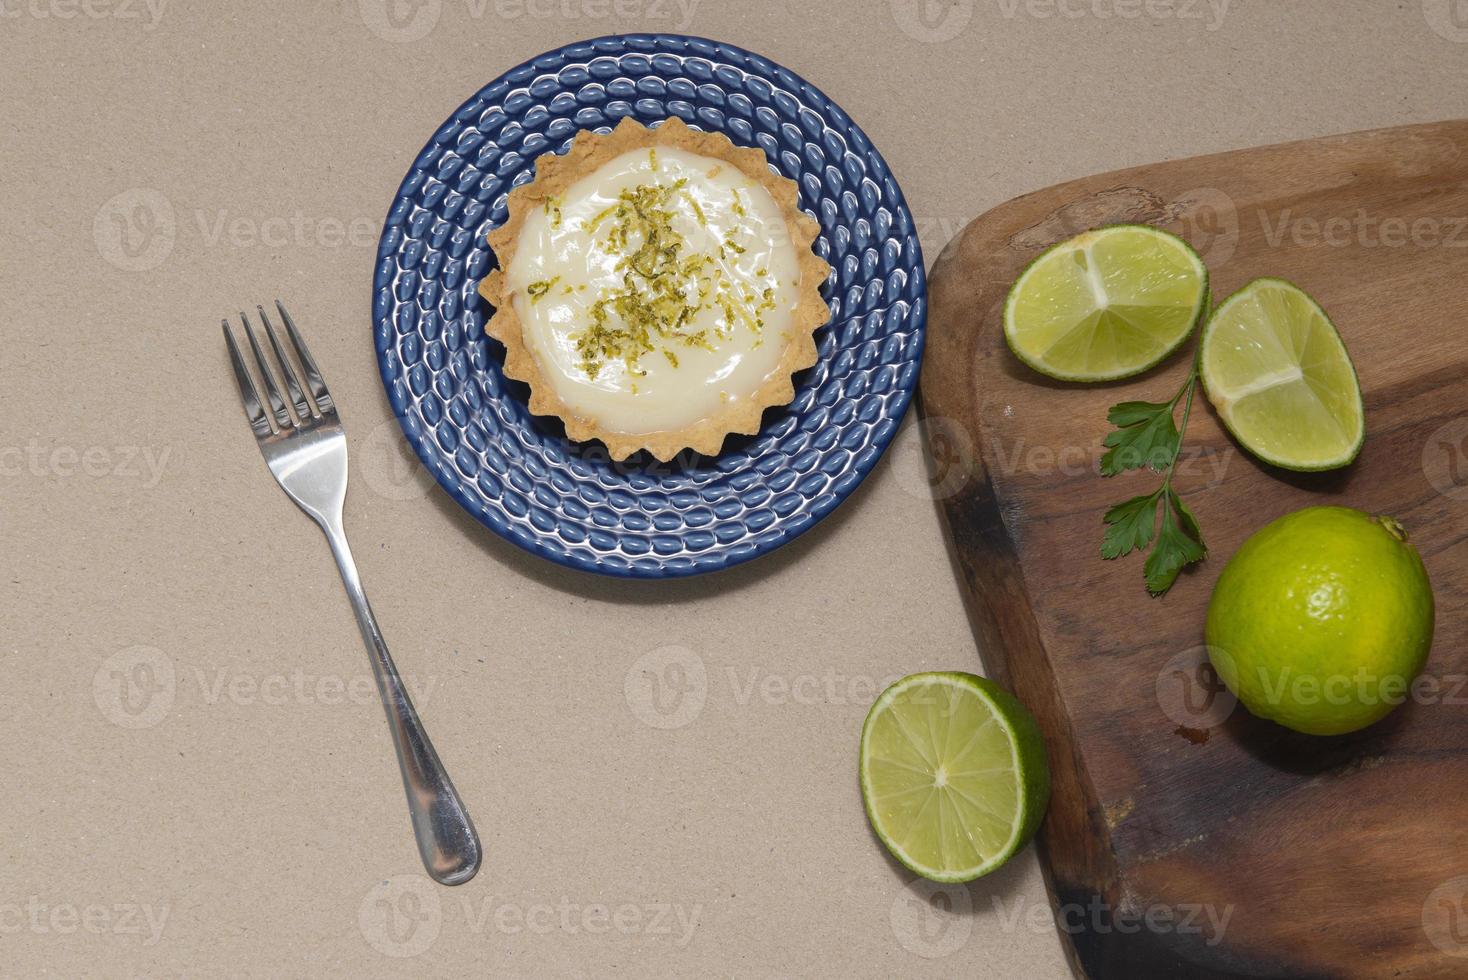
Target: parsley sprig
1146 436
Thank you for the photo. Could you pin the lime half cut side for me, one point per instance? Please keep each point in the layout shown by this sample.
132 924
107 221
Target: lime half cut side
953 774
1281 379
1106 304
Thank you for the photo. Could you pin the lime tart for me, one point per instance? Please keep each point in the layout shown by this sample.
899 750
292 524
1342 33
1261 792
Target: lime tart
656 289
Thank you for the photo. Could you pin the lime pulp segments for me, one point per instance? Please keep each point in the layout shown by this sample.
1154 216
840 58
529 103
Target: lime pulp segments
1278 373
1106 304
953 774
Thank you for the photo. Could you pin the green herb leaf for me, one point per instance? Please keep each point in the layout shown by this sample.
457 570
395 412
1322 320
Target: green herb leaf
1145 436
1130 525
1179 543
1185 516
1130 413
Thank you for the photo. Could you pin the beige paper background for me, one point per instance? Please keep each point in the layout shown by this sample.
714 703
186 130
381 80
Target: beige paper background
243 816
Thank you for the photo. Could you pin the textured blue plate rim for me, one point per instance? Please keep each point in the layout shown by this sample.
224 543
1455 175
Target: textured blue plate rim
433 460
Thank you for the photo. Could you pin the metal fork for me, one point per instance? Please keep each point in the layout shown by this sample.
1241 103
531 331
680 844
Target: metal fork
307 453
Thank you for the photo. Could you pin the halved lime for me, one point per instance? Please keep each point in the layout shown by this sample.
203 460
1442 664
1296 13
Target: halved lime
1106 304
953 774
1279 375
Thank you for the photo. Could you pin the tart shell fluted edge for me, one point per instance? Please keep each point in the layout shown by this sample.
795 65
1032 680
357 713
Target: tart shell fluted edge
588 151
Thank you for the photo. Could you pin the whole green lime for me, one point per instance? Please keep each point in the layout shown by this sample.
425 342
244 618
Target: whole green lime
1322 620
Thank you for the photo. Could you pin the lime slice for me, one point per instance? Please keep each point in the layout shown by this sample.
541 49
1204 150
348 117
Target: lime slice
1106 304
1276 370
953 774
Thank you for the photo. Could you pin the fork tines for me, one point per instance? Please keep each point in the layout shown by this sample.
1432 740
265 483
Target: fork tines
311 403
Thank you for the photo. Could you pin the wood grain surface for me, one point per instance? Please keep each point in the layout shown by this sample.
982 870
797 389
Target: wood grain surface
1186 839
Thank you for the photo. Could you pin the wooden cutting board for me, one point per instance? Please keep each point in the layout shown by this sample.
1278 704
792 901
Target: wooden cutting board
1257 851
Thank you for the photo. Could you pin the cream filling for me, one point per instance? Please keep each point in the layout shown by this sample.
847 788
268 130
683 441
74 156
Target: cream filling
563 252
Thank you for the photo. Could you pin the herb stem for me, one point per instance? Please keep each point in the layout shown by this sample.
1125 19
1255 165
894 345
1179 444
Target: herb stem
1188 388
1147 433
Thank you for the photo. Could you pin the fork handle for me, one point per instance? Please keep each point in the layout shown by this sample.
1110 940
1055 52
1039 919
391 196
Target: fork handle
447 841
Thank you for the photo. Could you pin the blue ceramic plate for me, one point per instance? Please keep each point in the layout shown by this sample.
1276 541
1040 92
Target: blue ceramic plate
568 501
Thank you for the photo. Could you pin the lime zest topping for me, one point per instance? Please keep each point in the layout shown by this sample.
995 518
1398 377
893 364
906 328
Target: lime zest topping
601 216
703 221
662 288
539 288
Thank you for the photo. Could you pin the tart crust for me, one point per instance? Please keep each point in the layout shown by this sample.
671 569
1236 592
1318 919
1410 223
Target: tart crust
553 174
